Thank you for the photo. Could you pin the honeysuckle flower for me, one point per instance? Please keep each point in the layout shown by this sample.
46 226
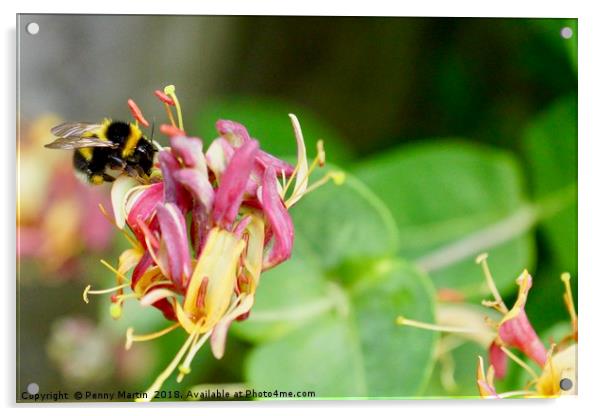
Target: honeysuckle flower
512 331
57 215
203 232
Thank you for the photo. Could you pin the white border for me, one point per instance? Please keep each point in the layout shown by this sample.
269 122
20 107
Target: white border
590 175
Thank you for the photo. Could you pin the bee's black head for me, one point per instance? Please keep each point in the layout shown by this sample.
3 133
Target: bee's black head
118 132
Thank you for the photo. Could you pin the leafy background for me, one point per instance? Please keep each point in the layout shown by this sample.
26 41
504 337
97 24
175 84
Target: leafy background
458 136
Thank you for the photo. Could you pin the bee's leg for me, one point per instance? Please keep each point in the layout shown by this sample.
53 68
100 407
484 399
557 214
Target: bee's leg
108 178
117 162
133 172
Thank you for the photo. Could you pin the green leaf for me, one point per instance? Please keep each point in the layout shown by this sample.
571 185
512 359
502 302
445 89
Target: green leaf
288 296
340 223
267 120
452 201
356 349
551 149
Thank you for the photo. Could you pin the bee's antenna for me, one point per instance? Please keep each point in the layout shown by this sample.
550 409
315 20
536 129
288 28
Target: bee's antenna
153 129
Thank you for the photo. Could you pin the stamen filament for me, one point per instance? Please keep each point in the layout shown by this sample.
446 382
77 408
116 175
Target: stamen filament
130 338
170 90
122 278
170 115
196 346
168 370
434 327
337 176
520 362
87 291
482 260
568 300
104 212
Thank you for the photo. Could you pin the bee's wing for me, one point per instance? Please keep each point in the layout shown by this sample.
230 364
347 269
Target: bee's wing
75 142
77 135
69 129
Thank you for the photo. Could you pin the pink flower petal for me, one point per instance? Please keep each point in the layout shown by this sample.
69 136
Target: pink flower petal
141 207
175 240
173 191
231 190
515 329
518 332
202 195
236 134
190 151
279 219
218 156
498 359
218 337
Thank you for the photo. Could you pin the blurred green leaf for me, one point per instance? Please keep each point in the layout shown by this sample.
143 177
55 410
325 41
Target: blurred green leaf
267 120
550 144
452 201
340 223
288 296
356 350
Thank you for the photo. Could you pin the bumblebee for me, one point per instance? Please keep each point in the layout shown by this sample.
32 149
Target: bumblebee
110 145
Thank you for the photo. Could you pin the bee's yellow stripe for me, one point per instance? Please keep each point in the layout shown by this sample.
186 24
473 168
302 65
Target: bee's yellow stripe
131 141
86 152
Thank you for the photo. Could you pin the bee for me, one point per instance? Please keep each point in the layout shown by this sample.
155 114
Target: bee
110 145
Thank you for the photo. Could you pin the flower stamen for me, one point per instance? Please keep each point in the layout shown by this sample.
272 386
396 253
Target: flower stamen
88 291
520 362
482 260
170 91
130 338
568 301
434 327
168 370
194 349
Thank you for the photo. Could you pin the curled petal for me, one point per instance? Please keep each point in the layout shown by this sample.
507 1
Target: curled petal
202 203
498 359
235 133
198 185
145 262
485 381
279 219
175 241
190 151
231 190
218 337
141 206
302 167
122 185
218 156
173 191
515 329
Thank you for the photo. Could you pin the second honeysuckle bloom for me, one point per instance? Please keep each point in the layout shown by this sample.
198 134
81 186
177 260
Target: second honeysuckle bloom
203 233
512 331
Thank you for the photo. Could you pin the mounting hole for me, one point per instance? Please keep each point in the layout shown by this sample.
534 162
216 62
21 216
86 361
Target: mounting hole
566 384
566 32
32 28
33 388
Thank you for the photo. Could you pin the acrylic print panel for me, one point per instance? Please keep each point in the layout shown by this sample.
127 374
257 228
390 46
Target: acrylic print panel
260 208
